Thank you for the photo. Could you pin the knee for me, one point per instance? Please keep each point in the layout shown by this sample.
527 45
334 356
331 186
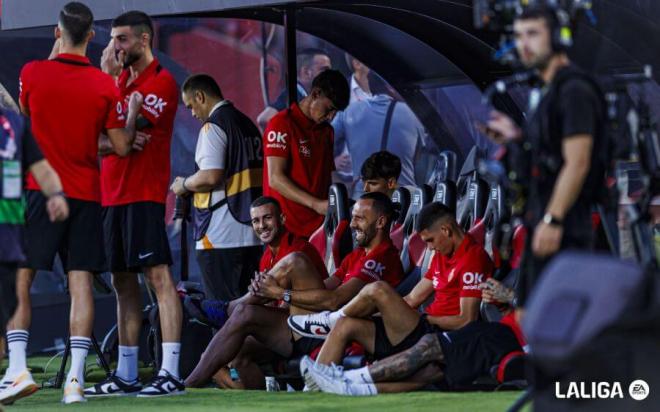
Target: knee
242 316
377 290
159 278
345 327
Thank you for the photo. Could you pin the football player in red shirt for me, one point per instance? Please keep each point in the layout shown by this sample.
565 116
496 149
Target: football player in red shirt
298 153
295 281
133 191
70 103
458 267
455 357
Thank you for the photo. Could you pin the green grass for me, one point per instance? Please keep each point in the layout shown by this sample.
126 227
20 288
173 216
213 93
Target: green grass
221 400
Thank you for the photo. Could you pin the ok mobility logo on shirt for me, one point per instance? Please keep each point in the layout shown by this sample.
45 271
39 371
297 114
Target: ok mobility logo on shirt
373 269
154 104
276 140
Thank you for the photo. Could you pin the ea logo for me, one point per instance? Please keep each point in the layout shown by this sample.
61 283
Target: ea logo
155 102
278 137
374 266
470 278
638 390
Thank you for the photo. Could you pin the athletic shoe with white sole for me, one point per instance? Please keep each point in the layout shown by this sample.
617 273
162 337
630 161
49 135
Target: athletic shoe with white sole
163 385
113 386
306 363
17 387
315 325
331 379
73 392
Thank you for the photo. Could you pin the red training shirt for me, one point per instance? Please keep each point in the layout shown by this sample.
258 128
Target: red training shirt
291 243
458 277
144 176
70 102
308 147
381 263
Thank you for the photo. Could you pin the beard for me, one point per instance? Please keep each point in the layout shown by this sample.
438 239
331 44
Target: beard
131 58
367 236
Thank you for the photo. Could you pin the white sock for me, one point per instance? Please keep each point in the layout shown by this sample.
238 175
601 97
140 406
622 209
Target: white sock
17 341
171 353
360 375
79 348
127 363
333 317
367 389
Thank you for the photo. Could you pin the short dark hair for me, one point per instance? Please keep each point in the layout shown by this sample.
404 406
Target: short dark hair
76 19
138 21
304 57
333 85
381 165
432 213
539 12
266 200
382 204
377 85
203 83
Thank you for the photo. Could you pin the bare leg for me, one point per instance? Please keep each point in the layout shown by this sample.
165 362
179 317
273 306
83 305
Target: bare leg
428 374
267 325
295 271
345 331
129 314
405 364
169 305
81 318
22 317
246 362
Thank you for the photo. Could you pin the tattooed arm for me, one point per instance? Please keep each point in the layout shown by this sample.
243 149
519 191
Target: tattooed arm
407 363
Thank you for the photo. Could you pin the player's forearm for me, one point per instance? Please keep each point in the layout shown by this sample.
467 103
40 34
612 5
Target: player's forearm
287 188
315 299
203 181
105 146
47 178
567 188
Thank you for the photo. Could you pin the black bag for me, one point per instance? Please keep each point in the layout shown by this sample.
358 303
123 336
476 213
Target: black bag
195 336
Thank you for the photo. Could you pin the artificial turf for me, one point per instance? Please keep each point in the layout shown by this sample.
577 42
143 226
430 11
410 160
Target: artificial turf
221 400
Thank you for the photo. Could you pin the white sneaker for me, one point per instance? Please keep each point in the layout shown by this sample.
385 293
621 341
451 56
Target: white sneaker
306 364
17 387
73 392
315 325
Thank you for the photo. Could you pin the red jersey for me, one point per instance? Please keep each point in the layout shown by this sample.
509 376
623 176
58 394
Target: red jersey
381 263
70 103
308 147
510 320
458 277
144 176
291 243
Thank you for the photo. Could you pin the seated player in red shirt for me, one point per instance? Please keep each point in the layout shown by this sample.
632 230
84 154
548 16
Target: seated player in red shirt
459 265
257 330
455 357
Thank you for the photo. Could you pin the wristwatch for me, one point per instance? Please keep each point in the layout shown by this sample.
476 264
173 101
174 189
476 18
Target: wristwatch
551 220
287 296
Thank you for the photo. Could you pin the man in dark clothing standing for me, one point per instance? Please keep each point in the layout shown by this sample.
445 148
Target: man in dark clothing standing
563 144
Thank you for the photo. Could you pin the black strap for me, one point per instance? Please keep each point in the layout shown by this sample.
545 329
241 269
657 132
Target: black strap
73 62
218 205
386 126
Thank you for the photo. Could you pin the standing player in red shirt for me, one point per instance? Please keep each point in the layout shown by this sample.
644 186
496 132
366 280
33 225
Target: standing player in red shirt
70 103
458 267
298 153
133 190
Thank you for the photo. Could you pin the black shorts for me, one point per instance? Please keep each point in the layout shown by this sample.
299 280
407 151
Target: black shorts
304 346
78 240
470 352
384 348
135 236
7 294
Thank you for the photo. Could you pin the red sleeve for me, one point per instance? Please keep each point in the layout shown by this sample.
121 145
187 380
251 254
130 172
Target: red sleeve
277 138
342 271
116 118
476 268
24 84
160 96
376 267
433 267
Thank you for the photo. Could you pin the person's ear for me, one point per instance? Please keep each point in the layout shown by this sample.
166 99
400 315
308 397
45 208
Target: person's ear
391 183
199 96
90 35
57 33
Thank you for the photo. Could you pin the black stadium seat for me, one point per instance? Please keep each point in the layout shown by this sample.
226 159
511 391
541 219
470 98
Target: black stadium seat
472 192
333 239
401 199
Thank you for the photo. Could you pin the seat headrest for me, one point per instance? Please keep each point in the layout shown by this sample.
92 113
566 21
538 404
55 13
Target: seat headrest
446 166
401 199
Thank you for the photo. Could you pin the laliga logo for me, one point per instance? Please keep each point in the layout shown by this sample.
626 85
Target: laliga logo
638 390
278 137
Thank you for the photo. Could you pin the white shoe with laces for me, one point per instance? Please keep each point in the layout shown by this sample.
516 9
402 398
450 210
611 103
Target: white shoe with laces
73 392
315 325
17 386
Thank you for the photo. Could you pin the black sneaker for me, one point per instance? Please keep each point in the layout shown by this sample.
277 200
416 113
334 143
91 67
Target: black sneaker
163 385
114 386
